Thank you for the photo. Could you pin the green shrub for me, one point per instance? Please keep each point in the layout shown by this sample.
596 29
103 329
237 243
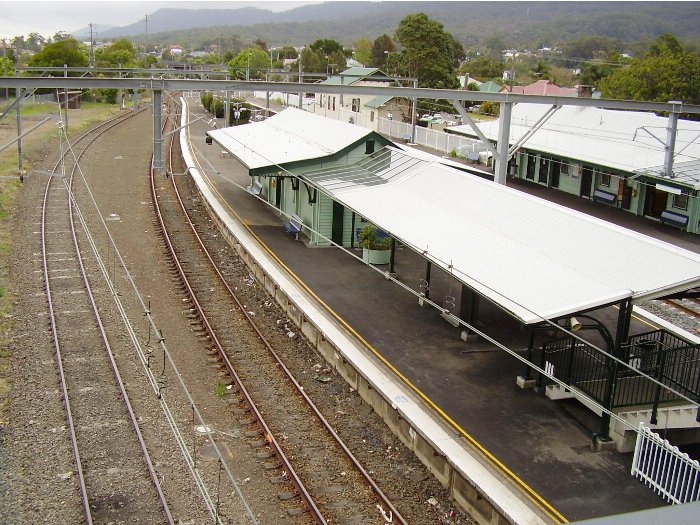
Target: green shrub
369 238
206 98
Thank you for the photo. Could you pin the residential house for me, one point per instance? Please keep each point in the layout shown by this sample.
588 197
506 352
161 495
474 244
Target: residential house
343 107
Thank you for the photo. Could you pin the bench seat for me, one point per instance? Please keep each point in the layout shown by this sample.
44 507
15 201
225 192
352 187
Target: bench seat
674 219
293 224
604 196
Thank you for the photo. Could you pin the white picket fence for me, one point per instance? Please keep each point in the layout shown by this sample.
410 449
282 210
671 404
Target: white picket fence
665 469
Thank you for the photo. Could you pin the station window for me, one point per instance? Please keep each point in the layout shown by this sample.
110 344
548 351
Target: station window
605 179
564 170
356 104
371 116
680 201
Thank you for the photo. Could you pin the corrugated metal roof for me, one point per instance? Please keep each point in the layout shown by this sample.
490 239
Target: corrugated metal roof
351 75
490 87
615 139
534 258
290 135
378 102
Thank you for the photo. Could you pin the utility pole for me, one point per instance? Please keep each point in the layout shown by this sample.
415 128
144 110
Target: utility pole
65 97
4 66
20 164
300 81
92 48
145 46
670 144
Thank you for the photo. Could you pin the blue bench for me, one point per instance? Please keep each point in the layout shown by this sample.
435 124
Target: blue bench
674 219
294 225
255 188
604 196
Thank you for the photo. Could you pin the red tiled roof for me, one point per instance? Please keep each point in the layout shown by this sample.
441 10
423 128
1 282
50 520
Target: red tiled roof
542 87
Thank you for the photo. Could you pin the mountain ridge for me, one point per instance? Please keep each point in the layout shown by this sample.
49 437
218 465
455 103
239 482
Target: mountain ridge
467 21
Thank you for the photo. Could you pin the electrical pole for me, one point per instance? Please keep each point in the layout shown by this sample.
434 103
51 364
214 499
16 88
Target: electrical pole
4 66
65 97
19 135
92 48
300 81
145 46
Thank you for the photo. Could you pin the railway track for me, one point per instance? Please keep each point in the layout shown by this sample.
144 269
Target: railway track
114 474
313 471
688 306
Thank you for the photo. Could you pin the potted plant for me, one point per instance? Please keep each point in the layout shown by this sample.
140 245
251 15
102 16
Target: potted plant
375 249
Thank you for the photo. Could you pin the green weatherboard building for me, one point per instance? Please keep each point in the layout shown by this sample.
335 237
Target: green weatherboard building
279 150
613 157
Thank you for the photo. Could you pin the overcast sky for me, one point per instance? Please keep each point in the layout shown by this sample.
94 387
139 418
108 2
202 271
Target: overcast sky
21 17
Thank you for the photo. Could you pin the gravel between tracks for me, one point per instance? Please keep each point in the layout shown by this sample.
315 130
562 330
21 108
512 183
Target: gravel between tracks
35 478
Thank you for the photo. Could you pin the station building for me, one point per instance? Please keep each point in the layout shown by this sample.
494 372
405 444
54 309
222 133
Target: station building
613 157
280 149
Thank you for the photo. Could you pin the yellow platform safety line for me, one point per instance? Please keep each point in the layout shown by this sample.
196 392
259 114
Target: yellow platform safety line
531 494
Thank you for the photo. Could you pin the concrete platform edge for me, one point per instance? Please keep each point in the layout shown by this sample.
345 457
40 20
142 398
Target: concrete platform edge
475 485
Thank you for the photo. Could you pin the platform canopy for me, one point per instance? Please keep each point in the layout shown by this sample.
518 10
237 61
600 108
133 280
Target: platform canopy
289 136
631 141
534 258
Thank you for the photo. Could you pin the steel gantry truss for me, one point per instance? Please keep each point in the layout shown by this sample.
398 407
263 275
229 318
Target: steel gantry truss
506 100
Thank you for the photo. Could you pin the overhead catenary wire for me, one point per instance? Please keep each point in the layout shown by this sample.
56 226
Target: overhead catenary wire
151 376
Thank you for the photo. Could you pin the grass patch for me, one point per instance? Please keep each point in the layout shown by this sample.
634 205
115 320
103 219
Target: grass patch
220 389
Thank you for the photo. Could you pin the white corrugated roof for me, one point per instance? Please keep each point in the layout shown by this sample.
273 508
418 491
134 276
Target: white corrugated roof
599 136
534 258
290 135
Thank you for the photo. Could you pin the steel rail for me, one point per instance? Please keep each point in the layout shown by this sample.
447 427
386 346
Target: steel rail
69 415
294 478
356 463
115 369
682 307
191 400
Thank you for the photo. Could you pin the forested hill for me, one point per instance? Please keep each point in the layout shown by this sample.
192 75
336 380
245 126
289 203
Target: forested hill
515 22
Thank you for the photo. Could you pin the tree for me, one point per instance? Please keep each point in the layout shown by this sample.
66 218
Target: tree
289 52
382 46
122 51
594 46
254 59
35 42
311 61
494 45
484 68
326 46
428 52
61 35
68 51
336 61
363 51
262 44
7 67
667 72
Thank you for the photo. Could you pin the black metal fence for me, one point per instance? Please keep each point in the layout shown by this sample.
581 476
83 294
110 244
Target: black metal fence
672 361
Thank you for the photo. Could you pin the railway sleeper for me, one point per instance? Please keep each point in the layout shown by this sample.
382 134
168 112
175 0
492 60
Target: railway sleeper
287 495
